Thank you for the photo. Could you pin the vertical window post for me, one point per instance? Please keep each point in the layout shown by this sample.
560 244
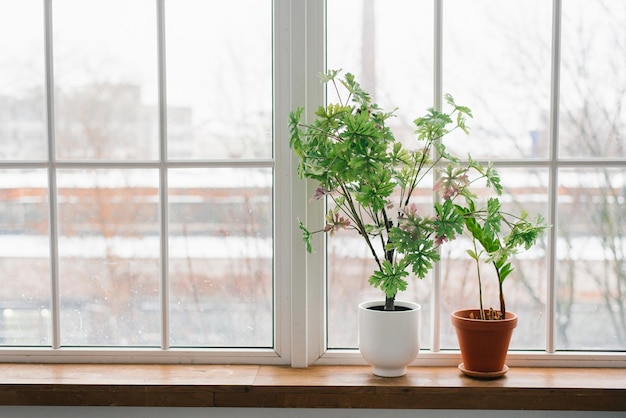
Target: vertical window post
553 176
55 316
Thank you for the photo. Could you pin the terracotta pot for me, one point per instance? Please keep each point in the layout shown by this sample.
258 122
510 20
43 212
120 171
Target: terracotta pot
483 344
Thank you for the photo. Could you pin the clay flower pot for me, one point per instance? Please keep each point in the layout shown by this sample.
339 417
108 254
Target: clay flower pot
483 344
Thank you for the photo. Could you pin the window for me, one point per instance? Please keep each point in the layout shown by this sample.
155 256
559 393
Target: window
554 128
137 166
148 202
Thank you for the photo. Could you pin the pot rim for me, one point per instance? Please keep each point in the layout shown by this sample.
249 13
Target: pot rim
509 316
404 303
462 322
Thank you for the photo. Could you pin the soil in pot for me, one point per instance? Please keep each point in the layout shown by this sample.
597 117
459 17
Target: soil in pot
396 308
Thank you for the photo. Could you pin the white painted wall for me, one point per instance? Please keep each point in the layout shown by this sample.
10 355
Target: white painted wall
127 412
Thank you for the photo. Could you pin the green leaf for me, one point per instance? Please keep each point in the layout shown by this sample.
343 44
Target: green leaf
330 75
306 237
493 179
295 134
432 126
449 221
359 95
461 109
472 254
494 218
422 258
505 271
375 194
390 278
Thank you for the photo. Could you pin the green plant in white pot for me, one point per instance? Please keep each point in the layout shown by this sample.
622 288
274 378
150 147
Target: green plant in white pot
371 179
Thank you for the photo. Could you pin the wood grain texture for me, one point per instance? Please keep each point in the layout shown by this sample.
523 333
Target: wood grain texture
314 387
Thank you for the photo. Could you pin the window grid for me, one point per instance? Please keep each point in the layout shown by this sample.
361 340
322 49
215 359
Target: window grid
299 299
163 353
550 356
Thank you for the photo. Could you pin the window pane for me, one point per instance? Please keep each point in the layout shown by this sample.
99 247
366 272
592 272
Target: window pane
109 257
219 72
497 61
350 264
105 66
524 290
387 45
24 258
221 257
22 101
591 281
593 79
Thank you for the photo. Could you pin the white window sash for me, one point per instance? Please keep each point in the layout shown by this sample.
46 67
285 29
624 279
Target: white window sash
300 288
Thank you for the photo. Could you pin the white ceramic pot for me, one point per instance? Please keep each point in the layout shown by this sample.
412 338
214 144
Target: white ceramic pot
389 340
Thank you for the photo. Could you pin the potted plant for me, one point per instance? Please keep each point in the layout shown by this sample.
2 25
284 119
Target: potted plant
370 179
495 236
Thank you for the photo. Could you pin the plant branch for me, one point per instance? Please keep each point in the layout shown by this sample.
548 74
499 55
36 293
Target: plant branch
359 224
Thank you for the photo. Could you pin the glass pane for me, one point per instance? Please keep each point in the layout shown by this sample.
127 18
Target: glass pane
591 281
24 258
219 72
350 265
497 62
221 253
593 79
105 64
387 45
109 257
524 290
22 80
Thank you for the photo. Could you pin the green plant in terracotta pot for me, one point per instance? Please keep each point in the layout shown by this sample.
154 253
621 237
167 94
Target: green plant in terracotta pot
370 180
495 236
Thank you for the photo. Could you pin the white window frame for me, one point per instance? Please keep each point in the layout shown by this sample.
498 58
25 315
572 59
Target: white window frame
300 289
549 357
165 353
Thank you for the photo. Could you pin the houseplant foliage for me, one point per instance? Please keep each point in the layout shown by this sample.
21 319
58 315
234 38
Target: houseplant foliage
495 236
371 177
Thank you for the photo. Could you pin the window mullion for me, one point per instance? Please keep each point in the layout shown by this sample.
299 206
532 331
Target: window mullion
316 263
52 188
437 103
289 271
298 58
163 185
298 309
553 176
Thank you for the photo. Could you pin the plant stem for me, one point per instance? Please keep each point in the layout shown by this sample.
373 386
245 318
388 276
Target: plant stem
480 286
418 169
359 223
389 303
502 305
388 225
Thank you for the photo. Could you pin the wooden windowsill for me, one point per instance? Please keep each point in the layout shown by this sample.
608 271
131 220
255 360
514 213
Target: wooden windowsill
314 387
